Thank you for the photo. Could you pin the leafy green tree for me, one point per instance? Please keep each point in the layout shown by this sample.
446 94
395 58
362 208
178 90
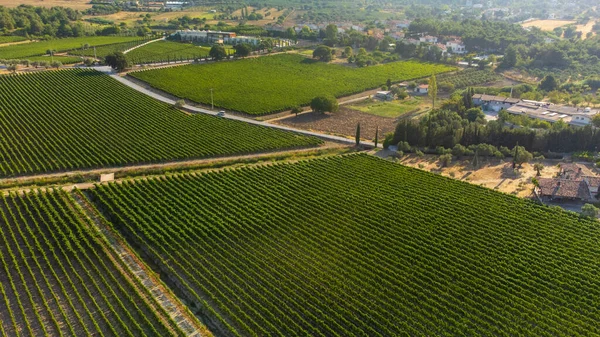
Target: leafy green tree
403 146
348 52
510 57
538 167
589 211
242 50
296 110
56 64
521 156
459 150
331 33
290 33
322 104
217 52
323 53
117 61
432 91
596 120
474 114
576 100
445 159
549 83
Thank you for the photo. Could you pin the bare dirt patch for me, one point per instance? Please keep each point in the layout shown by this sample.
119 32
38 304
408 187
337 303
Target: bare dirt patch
496 174
547 25
75 4
584 29
342 123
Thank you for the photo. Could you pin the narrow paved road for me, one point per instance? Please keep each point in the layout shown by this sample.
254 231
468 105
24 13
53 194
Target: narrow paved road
143 44
161 98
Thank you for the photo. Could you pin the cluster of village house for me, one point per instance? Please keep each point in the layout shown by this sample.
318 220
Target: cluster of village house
231 38
574 183
393 28
538 110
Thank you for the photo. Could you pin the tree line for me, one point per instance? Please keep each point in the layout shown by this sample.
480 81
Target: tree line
457 121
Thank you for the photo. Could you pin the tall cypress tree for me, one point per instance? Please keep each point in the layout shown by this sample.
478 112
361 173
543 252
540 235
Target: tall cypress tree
358 134
432 90
376 135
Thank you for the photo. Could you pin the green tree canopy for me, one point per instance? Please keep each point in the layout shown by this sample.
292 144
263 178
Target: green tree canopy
217 52
117 61
322 104
323 53
549 83
242 50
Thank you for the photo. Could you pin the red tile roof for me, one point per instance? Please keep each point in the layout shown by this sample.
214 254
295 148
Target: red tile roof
563 188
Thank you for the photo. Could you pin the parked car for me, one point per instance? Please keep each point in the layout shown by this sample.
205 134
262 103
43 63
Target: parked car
221 113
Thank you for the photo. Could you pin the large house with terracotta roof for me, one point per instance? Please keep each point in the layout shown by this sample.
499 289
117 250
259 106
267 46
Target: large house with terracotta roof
574 182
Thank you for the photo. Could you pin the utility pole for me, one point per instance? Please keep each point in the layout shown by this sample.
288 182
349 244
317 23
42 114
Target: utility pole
212 103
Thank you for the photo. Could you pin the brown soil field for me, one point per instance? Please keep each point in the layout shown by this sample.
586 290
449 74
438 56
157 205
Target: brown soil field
272 18
75 4
584 29
342 123
547 25
128 17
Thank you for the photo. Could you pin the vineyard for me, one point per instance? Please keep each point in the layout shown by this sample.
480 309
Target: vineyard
22 51
102 51
9 39
61 59
70 119
469 77
167 51
58 280
358 246
269 84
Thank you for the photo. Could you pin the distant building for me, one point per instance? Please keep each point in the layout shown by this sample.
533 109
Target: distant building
428 39
154 4
384 95
397 36
494 103
255 41
204 35
456 47
422 89
553 113
574 182
175 4
442 47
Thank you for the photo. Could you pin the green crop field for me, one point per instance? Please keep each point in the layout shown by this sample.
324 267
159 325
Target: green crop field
469 77
61 59
57 279
102 51
9 39
358 246
274 83
69 119
22 51
164 51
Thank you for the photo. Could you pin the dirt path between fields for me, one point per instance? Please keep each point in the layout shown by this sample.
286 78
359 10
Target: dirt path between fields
14 43
184 319
182 164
